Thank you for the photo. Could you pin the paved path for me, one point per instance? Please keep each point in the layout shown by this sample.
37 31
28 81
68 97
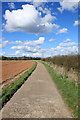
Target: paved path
37 98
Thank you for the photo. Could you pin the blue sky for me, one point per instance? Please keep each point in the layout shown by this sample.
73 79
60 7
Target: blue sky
39 29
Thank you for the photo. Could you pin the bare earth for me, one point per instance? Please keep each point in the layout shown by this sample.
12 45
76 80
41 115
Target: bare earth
37 98
12 68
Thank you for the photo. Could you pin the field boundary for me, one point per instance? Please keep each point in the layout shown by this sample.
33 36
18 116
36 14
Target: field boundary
7 93
2 85
67 89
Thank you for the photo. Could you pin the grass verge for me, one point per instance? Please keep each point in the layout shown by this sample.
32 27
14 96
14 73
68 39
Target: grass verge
7 93
68 89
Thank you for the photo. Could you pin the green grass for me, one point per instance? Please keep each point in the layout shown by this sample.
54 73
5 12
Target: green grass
7 93
67 88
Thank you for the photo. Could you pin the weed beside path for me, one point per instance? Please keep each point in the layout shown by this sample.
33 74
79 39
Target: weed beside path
68 89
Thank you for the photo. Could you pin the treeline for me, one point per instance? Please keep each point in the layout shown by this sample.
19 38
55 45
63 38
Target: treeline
67 61
19 58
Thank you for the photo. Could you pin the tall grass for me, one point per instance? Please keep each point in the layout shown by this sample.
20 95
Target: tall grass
7 93
67 88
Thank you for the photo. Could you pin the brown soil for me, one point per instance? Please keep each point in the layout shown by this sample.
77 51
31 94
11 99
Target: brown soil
12 68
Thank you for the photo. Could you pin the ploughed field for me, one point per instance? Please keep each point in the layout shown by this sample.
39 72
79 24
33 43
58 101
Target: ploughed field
13 68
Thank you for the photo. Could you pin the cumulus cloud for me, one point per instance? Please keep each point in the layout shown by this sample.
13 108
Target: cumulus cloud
11 5
70 50
17 53
52 39
33 43
33 47
25 0
76 23
25 48
44 10
17 47
16 42
65 48
56 48
68 44
64 30
39 1
3 44
0 46
48 18
2 53
25 54
70 5
36 42
37 54
0 39
28 19
33 51
67 40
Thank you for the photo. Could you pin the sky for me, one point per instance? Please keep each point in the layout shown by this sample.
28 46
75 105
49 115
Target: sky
39 29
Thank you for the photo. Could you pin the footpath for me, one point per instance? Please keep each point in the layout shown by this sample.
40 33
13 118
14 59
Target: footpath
37 98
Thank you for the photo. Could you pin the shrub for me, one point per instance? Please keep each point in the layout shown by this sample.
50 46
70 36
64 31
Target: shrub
67 61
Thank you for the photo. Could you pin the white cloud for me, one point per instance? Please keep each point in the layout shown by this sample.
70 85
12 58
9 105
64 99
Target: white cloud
0 39
25 54
36 42
67 44
25 48
25 0
16 42
64 30
3 44
36 1
43 9
67 40
17 47
56 48
29 46
37 54
70 50
11 5
70 5
60 9
76 23
48 18
65 48
23 20
17 53
0 46
52 39
2 53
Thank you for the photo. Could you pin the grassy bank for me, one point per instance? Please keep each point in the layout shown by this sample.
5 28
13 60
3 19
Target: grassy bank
7 93
68 89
